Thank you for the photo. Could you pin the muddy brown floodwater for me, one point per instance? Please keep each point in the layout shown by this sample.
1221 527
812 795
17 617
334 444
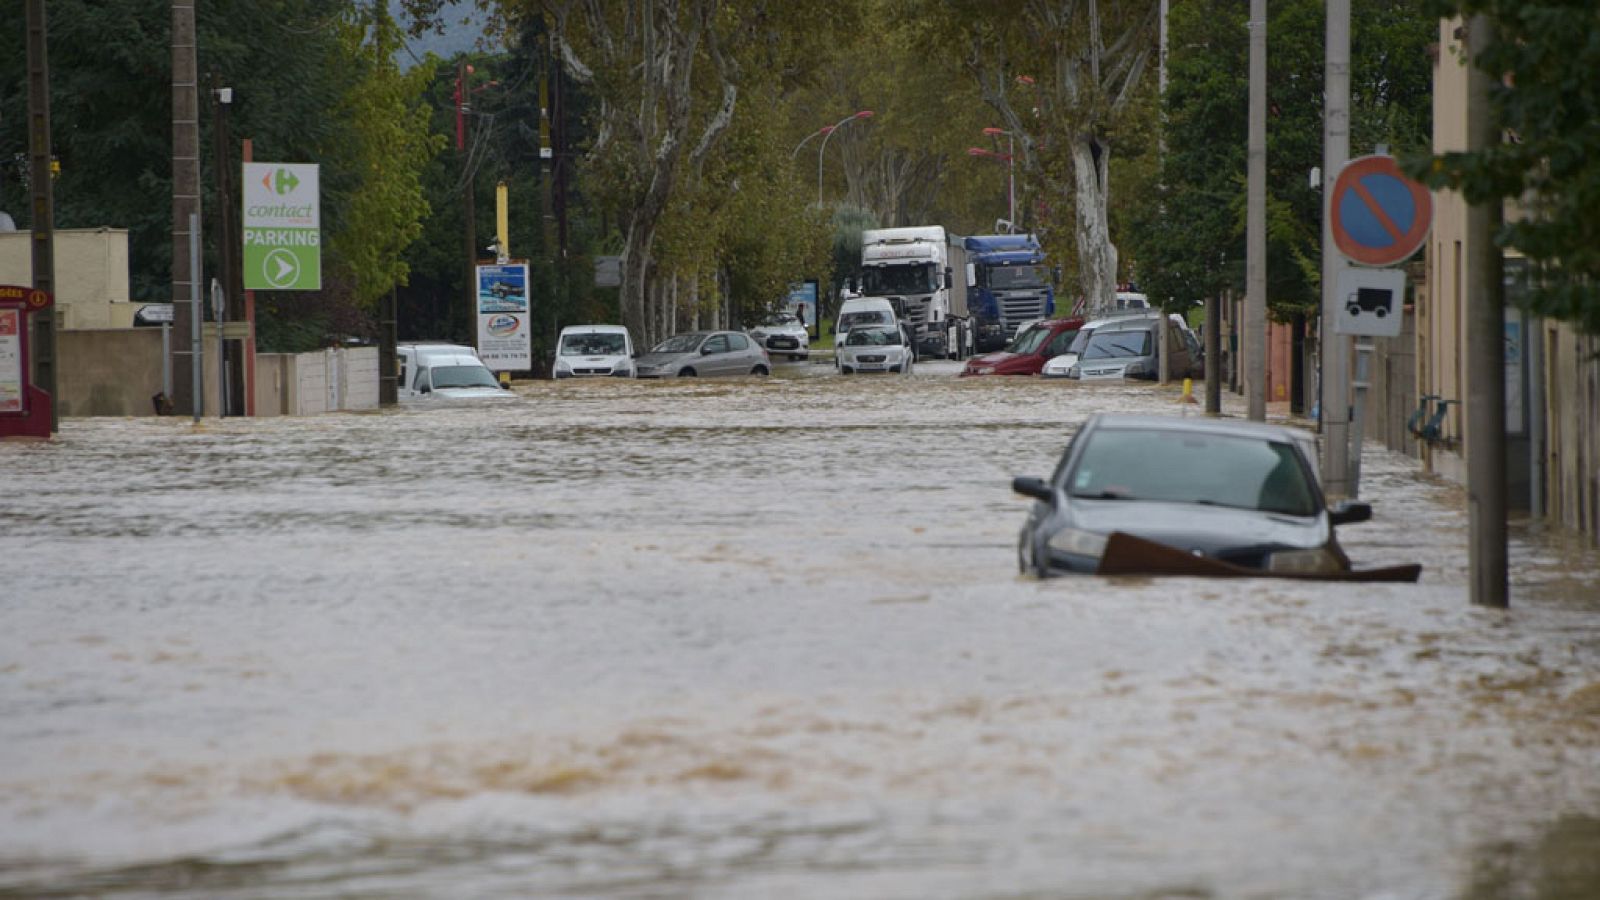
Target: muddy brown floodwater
754 638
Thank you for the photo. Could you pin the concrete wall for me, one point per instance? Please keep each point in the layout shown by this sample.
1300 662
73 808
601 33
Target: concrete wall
1571 451
307 384
109 372
91 274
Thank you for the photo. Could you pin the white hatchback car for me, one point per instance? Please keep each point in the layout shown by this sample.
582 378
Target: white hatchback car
444 370
783 334
590 350
876 348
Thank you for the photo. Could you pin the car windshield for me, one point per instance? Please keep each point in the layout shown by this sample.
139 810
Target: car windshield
679 343
873 337
1117 345
1007 278
1029 340
778 320
594 345
853 320
1190 467
462 376
1079 341
876 281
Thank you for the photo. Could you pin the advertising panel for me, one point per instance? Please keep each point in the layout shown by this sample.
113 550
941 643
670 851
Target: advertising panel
282 227
802 301
505 326
11 387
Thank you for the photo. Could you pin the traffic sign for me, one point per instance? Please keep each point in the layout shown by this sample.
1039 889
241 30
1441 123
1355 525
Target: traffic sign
282 227
1378 216
1370 301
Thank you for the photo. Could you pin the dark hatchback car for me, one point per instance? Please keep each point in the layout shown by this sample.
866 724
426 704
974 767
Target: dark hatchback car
1028 351
1240 493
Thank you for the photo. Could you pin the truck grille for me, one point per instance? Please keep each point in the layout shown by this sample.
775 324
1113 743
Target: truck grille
1016 310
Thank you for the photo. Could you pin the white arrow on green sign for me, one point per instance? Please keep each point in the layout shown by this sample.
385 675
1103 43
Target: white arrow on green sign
282 227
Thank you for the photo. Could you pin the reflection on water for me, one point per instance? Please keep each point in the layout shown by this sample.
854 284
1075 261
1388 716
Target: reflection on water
746 638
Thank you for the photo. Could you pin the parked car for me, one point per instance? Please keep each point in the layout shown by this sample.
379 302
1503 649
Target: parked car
1028 352
1057 366
858 311
784 333
876 348
1126 348
590 350
704 353
444 371
1241 493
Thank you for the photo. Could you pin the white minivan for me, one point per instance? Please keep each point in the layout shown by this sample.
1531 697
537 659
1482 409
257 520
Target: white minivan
858 311
444 370
589 350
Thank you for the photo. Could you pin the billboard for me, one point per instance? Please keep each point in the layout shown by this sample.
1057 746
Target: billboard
802 301
505 325
282 227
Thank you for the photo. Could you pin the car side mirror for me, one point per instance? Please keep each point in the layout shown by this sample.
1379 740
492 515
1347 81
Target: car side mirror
1033 487
1349 512
425 390
705 351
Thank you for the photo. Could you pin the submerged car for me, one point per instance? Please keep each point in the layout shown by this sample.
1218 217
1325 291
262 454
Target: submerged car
1127 348
450 371
1242 494
783 333
704 353
590 350
1034 345
876 348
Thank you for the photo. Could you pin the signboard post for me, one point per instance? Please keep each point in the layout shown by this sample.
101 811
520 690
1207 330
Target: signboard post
282 227
1378 218
505 328
25 409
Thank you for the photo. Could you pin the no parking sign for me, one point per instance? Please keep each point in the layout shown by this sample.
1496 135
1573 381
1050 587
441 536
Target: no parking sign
1378 216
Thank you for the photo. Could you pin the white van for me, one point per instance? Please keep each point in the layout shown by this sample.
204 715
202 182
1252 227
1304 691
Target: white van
589 350
859 311
443 370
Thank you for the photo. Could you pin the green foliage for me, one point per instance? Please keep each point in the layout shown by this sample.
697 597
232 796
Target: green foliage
1189 224
390 145
1543 56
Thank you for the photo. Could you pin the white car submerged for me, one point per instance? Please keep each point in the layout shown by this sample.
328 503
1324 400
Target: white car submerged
593 350
445 371
783 334
876 348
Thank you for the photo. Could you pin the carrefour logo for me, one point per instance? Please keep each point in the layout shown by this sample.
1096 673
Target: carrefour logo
286 181
503 326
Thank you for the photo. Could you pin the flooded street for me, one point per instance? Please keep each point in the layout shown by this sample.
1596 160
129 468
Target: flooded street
750 638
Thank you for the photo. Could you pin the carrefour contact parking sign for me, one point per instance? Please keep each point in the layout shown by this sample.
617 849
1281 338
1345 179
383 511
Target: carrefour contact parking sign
282 227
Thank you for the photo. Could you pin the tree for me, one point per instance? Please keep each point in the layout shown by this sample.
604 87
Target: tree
1543 56
1063 76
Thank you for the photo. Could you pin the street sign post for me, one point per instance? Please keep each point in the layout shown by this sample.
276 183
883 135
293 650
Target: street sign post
282 227
1379 217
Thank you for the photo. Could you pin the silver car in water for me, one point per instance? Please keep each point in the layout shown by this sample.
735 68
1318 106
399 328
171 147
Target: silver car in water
704 354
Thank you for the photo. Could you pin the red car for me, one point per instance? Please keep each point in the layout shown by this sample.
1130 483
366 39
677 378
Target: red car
1027 353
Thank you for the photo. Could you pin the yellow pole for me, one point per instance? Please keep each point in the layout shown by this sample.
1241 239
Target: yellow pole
502 227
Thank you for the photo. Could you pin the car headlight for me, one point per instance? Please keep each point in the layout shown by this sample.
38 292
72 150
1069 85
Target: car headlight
1304 562
1078 542
563 366
622 368
759 335
1132 369
983 370
1074 372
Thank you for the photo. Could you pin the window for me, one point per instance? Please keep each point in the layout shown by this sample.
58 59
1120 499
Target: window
1061 342
717 343
738 341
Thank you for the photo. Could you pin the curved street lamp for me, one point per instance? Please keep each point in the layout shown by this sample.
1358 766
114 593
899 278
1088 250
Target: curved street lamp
827 132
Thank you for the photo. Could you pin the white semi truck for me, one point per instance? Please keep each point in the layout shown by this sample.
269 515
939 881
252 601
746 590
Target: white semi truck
923 273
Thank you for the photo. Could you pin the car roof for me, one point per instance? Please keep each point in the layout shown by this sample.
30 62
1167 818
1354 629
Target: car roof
1116 325
1145 421
594 329
1134 315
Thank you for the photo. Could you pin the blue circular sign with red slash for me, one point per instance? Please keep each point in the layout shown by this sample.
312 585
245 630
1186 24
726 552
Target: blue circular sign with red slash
1379 217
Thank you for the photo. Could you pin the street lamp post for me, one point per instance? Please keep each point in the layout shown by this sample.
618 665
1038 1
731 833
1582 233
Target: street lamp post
827 132
463 104
1011 173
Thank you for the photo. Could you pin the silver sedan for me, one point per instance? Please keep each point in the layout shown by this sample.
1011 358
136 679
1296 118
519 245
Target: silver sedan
704 353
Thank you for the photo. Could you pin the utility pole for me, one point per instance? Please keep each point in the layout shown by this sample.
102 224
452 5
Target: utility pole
1255 326
1334 347
1486 384
185 189
227 250
547 196
1214 355
469 210
44 210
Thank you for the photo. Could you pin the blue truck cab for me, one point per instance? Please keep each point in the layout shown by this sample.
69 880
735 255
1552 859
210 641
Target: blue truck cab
1011 285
